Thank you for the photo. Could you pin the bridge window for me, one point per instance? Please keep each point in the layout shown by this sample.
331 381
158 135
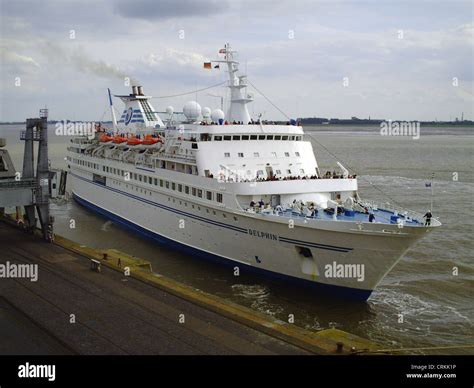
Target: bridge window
173 186
227 154
287 154
219 197
199 192
218 138
261 137
277 137
284 138
236 137
227 137
269 137
253 137
180 187
193 191
167 184
209 195
245 137
297 154
161 182
274 154
186 190
241 155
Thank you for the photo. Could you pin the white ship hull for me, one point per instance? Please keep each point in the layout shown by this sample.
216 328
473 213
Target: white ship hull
267 245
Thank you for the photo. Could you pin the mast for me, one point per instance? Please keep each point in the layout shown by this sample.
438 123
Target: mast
238 102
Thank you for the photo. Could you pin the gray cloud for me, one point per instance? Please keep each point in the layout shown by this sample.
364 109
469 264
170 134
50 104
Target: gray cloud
168 9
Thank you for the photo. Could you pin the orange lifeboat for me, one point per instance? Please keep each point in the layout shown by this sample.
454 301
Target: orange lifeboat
104 138
134 141
119 139
150 140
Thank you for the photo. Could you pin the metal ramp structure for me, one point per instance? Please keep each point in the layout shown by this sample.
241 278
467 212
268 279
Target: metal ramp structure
29 189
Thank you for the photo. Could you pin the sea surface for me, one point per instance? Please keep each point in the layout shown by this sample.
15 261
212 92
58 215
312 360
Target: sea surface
437 305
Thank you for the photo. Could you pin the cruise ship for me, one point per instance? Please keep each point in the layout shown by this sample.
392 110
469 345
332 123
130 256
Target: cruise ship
239 190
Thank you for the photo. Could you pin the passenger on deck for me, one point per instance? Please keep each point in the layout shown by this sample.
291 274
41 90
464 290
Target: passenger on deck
261 203
252 203
428 216
371 217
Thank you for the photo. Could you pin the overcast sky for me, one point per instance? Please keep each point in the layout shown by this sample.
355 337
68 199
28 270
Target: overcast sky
401 59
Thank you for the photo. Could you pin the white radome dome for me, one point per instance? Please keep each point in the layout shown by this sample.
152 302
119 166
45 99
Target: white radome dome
206 112
169 110
192 110
217 115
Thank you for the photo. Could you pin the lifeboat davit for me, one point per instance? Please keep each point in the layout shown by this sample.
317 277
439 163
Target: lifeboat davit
134 141
119 139
104 138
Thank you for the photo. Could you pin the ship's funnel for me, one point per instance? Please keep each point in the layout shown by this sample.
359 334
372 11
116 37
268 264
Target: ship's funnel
140 90
134 90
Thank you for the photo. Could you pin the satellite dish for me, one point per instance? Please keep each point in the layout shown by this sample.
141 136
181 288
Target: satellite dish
217 115
169 110
192 110
206 112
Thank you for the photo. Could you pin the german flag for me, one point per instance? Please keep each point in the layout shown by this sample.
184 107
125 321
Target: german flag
207 65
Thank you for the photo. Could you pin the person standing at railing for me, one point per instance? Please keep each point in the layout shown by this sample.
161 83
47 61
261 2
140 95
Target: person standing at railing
428 217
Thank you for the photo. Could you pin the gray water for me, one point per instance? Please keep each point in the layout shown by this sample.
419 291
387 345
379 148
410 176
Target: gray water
437 306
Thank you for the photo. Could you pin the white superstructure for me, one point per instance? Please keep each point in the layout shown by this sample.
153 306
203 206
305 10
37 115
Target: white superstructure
231 188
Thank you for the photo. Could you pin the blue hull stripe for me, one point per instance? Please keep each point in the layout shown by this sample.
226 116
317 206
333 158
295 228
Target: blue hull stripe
315 245
329 290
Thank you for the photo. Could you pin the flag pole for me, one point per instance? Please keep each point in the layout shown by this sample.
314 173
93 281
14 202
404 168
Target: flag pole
431 206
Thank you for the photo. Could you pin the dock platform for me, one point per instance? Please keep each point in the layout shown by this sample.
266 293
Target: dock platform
94 302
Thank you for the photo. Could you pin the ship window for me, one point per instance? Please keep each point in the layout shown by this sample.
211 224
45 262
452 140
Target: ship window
253 137
297 154
218 138
186 189
292 138
259 173
274 154
209 195
288 171
150 180
261 137
287 154
277 137
298 138
241 154
219 197
161 182
156 182
278 172
235 219
180 187
236 137
214 212
140 178
199 193
193 191
256 154
270 137
245 137
173 186
227 137
167 184
223 215
227 154
302 171
284 138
